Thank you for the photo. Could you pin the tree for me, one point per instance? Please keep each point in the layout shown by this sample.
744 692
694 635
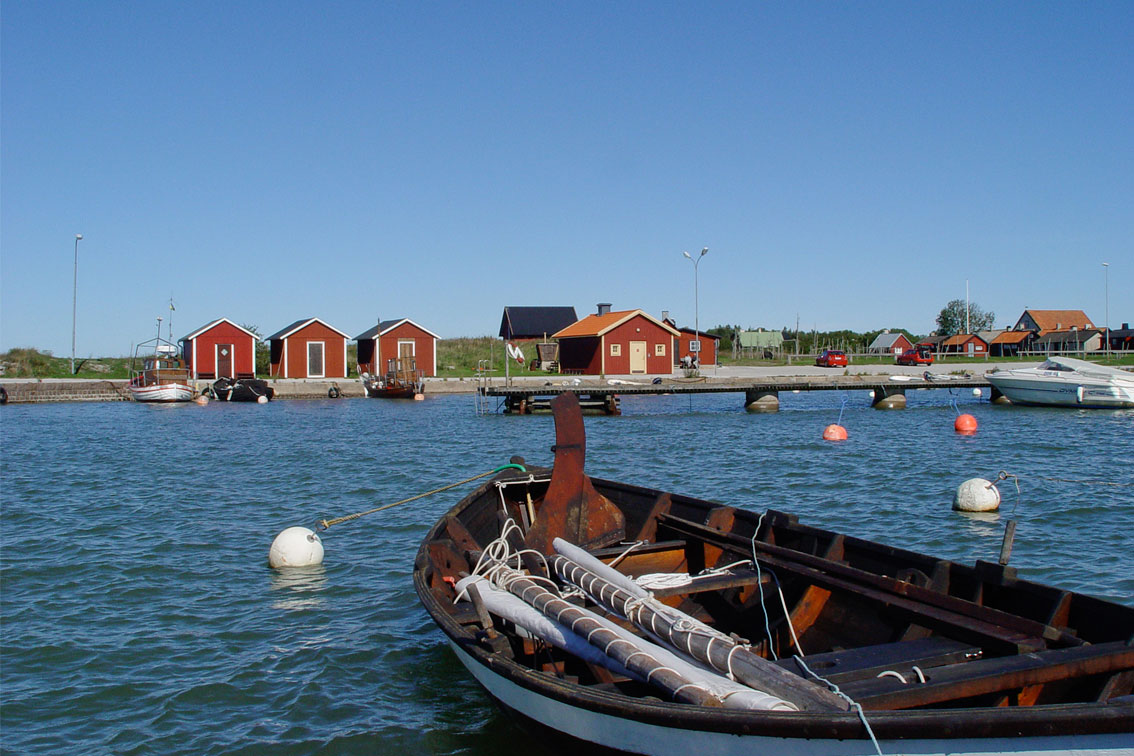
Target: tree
951 320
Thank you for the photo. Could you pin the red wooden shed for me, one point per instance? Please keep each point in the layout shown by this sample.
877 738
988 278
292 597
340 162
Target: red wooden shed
617 343
308 348
708 353
220 349
397 339
965 343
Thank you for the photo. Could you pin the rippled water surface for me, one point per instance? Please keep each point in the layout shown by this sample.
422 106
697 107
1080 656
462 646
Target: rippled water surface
139 616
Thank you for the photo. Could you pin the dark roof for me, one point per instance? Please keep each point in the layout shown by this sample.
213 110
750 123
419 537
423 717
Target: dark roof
289 329
385 325
534 322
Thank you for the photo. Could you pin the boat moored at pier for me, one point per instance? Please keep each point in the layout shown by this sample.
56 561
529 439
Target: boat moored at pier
647 622
157 373
1066 382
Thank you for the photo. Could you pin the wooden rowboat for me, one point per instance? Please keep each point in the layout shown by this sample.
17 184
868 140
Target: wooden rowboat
807 641
400 381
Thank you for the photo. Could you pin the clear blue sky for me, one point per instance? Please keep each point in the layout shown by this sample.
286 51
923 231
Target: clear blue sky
852 163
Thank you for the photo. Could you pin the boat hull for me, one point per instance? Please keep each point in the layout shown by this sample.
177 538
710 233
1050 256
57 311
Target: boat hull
619 734
166 392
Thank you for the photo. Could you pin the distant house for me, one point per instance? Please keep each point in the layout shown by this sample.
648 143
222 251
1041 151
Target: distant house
534 322
400 339
1010 343
1122 339
308 348
1086 340
934 342
1047 321
220 349
965 343
761 343
616 343
889 343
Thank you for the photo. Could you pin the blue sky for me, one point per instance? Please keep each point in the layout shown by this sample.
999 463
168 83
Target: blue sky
852 164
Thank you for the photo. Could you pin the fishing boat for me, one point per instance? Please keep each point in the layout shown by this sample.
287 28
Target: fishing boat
612 616
1066 382
400 381
157 373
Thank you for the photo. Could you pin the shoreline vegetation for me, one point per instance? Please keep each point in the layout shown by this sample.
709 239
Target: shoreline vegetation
456 358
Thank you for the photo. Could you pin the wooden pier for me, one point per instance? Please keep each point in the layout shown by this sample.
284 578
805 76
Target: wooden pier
760 395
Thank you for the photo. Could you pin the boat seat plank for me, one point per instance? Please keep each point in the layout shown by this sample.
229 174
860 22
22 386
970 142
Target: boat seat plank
924 605
984 676
868 661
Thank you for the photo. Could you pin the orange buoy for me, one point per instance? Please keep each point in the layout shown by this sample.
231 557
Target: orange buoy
966 424
834 433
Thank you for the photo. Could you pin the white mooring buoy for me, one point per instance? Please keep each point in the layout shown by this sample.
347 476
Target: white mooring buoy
976 495
296 547
261 399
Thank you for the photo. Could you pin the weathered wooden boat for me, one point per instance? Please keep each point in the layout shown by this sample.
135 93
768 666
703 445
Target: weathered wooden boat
242 390
157 373
804 641
400 381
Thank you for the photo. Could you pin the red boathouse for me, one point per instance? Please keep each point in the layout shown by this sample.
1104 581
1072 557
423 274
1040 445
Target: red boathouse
308 348
220 349
627 342
397 339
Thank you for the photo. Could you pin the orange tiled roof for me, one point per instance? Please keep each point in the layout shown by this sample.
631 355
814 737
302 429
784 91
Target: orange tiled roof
1059 320
597 325
1011 337
960 338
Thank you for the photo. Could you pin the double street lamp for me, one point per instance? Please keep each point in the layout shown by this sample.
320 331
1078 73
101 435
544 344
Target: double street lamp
696 305
74 300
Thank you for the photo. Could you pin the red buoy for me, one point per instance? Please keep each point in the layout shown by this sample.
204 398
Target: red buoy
834 433
965 424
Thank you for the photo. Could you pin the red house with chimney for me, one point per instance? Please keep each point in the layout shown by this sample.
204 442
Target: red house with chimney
625 342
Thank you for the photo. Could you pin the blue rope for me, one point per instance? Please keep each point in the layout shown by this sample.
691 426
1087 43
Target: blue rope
841 410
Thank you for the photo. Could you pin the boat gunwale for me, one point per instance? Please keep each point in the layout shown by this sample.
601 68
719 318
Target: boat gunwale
1084 718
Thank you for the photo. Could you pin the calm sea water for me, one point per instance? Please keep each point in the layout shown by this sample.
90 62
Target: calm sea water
139 615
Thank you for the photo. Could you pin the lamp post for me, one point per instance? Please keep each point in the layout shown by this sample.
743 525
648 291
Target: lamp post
74 300
696 304
1106 290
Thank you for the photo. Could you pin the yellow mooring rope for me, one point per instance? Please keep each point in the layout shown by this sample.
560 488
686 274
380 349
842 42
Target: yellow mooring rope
324 524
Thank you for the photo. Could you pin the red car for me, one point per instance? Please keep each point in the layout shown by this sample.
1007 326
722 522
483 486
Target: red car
919 355
831 358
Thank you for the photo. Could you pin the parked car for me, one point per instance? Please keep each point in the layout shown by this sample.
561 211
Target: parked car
831 358
916 356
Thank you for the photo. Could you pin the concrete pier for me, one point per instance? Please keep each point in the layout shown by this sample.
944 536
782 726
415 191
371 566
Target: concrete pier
762 400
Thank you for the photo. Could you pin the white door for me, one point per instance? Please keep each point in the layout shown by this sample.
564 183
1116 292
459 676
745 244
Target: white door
637 356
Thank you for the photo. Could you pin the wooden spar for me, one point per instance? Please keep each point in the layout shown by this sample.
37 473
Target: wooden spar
572 508
718 651
629 656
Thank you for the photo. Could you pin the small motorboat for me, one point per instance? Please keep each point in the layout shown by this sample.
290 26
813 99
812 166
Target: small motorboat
612 616
400 381
1066 382
157 373
242 390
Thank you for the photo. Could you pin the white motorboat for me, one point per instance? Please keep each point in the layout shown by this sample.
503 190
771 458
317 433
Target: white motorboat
1066 382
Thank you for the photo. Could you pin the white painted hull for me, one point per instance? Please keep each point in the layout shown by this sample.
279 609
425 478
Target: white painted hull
166 392
1033 387
632 736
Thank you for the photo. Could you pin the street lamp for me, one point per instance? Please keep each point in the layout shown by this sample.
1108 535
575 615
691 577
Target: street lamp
1106 289
696 305
74 300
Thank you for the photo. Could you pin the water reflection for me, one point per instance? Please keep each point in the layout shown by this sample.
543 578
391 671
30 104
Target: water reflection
298 587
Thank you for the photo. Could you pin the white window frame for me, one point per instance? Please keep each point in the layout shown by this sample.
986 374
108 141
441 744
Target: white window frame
615 350
323 358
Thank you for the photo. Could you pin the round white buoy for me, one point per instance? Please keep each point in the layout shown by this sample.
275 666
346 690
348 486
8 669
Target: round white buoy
870 393
976 495
296 547
261 399
201 400
976 392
